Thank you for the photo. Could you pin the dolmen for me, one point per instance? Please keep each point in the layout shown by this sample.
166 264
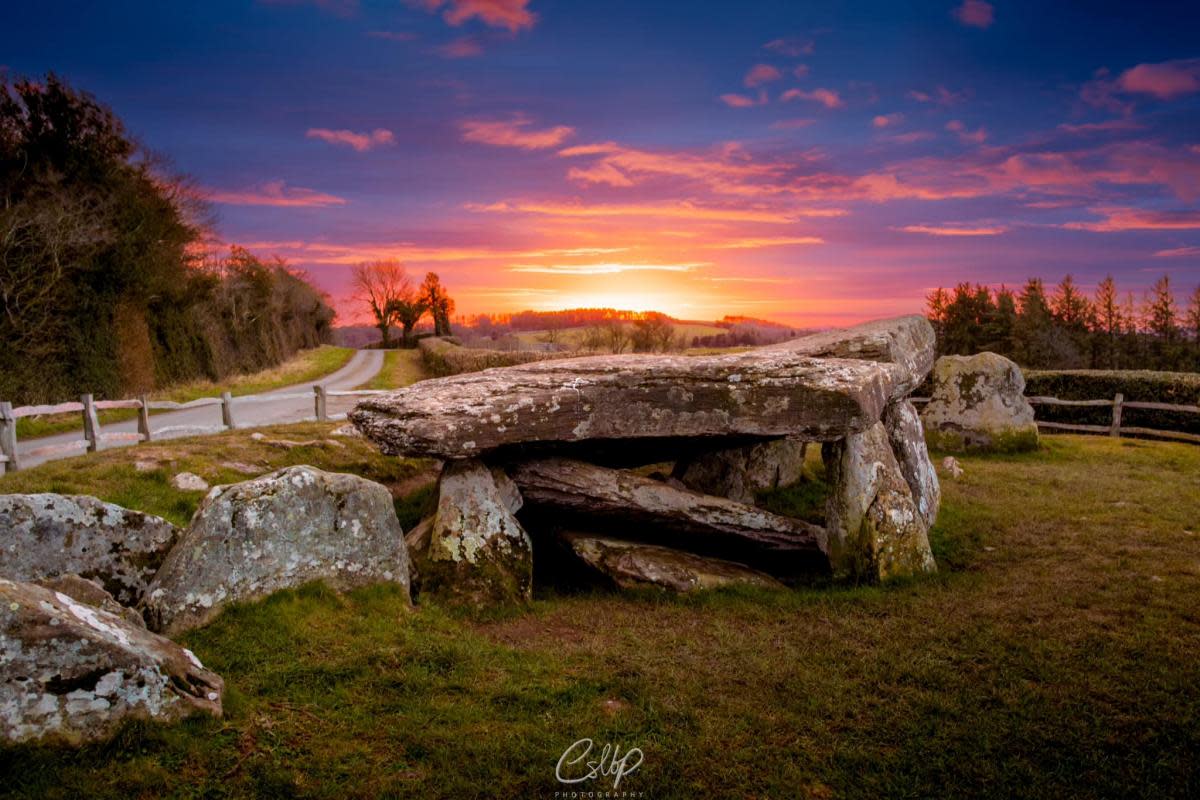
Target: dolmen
643 470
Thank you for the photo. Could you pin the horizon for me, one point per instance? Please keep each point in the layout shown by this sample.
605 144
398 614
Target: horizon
813 167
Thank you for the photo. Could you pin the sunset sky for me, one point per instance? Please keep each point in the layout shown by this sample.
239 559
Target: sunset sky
815 163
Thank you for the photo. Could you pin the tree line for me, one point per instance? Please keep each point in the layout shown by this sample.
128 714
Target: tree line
105 282
1065 328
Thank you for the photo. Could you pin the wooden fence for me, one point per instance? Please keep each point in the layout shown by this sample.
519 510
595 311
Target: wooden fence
94 436
1114 428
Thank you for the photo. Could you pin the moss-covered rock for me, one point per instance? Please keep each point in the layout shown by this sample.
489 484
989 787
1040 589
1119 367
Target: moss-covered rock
978 403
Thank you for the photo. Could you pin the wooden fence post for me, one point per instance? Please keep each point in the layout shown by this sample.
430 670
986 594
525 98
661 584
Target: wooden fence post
227 410
91 423
144 418
319 400
1115 430
8 438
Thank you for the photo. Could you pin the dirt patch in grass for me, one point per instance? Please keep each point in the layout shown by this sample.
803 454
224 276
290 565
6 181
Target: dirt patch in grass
1052 655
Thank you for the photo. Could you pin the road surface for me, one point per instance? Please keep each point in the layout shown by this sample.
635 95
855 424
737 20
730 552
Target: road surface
248 411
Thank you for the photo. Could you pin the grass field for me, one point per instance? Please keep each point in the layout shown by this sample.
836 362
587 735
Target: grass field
1053 655
400 368
305 366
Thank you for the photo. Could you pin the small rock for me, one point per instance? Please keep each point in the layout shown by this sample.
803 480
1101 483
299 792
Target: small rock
243 468
145 466
257 436
189 482
740 473
950 464
349 431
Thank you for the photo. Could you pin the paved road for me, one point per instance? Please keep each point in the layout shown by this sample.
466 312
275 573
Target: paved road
361 367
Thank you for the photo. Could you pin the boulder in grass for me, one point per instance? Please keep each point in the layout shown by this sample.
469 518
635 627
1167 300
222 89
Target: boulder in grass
978 403
741 473
875 529
278 531
47 535
633 565
73 672
477 552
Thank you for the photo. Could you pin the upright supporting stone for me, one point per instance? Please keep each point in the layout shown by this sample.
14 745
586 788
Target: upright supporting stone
875 529
907 436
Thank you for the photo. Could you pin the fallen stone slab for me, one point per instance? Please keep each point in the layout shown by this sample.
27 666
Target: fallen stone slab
908 342
274 532
875 530
632 565
47 535
653 509
978 403
741 473
477 554
73 672
754 394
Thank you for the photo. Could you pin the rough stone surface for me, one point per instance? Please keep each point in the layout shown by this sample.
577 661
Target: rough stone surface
908 342
740 473
91 593
875 529
631 565
478 553
73 673
769 392
593 493
907 436
47 535
189 482
978 403
281 530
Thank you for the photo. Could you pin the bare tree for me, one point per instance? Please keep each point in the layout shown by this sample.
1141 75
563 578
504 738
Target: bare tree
616 335
381 285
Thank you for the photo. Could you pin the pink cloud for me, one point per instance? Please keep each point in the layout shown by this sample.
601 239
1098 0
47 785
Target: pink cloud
515 133
911 137
274 193
1135 219
744 101
1178 252
977 136
941 96
800 70
791 46
791 124
1106 126
760 74
826 97
887 120
511 14
393 36
462 47
1165 81
975 13
361 142
956 229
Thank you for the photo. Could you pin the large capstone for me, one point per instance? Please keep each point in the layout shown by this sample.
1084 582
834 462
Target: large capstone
875 529
742 473
907 436
978 403
477 552
633 565
275 532
820 391
72 672
47 535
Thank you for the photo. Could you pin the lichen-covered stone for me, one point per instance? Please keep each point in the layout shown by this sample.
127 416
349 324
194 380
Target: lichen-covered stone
478 554
91 593
907 436
875 529
72 672
278 531
978 403
741 473
632 565
769 392
47 535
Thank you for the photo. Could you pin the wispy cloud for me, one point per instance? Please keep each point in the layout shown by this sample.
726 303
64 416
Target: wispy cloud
1166 80
516 132
393 36
1178 252
887 120
826 97
955 229
977 136
605 269
462 47
790 46
683 211
975 13
1135 219
274 193
760 74
792 124
361 142
1107 126
940 96
757 242
511 14
744 101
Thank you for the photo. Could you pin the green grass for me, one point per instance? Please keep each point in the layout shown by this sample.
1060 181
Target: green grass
1054 655
306 366
400 368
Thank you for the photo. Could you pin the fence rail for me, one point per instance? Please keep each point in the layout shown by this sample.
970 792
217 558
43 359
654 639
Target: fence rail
1114 428
94 436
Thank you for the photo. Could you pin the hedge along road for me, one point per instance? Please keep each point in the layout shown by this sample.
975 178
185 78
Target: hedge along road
362 367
